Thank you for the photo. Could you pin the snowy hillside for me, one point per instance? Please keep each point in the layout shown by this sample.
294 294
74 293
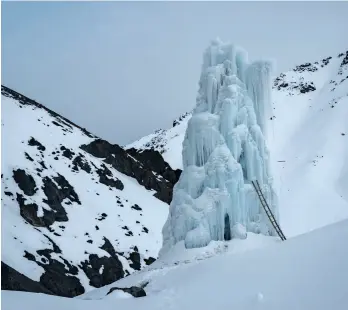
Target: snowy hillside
79 213
70 220
307 138
306 272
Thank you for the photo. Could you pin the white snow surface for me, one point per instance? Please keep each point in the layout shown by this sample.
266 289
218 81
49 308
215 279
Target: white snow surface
306 272
85 222
307 139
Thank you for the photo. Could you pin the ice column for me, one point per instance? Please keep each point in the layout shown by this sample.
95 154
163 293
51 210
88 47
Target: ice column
223 151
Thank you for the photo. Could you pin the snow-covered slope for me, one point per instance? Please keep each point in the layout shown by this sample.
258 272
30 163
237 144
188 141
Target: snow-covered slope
167 142
306 272
307 138
70 221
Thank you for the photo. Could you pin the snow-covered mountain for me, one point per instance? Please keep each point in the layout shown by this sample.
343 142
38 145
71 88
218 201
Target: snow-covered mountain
77 212
307 138
306 272
80 213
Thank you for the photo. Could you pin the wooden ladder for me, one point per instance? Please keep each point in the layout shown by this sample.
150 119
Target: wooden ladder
268 210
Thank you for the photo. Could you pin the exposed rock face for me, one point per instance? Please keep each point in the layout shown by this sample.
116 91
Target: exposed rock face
25 182
154 160
133 290
69 195
14 281
112 270
59 278
148 168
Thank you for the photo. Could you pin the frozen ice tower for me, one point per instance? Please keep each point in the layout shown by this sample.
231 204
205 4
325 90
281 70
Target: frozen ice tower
223 151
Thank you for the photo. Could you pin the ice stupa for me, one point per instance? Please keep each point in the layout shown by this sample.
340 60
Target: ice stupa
223 151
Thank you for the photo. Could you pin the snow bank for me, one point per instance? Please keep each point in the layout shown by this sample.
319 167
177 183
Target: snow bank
306 272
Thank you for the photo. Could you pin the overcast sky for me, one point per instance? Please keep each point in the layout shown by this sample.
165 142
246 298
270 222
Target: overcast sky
125 69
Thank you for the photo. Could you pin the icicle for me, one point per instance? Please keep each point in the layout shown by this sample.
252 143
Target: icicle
223 150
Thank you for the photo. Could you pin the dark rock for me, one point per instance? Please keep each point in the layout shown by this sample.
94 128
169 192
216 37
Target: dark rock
133 290
154 160
8 193
305 88
125 163
135 258
102 217
67 152
42 164
34 142
177 121
107 247
136 207
106 178
29 256
80 162
56 195
57 124
283 85
344 60
27 156
13 280
58 278
306 67
112 270
149 261
25 182
62 284
29 213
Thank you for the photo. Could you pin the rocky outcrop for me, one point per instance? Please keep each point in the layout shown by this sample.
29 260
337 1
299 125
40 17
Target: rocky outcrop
64 196
135 291
149 169
59 278
154 160
12 280
25 182
102 270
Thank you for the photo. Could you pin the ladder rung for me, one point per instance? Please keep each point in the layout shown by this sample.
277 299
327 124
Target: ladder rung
268 211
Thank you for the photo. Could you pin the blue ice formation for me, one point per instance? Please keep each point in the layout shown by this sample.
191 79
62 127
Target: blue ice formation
224 149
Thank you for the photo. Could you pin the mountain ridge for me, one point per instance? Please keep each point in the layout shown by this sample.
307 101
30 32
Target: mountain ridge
55 174
309 113
63 187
